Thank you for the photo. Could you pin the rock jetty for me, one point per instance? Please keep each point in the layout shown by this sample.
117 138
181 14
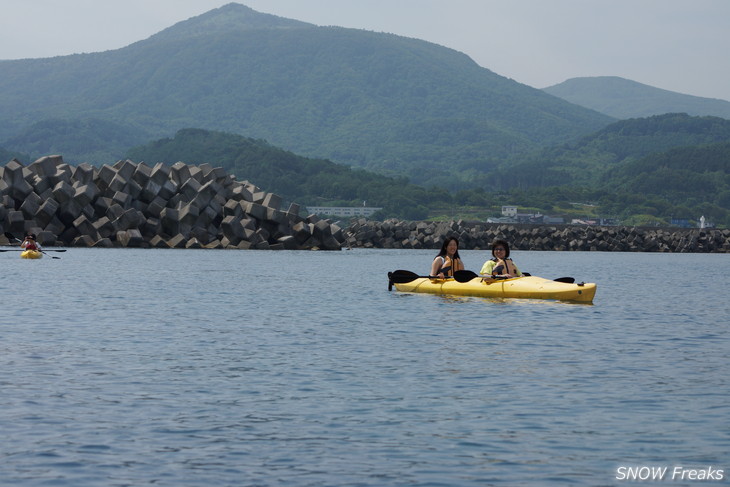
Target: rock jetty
130 204
397 234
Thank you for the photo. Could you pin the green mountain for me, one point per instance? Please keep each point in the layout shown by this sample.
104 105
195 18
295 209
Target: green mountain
313 182
622 98
98 140
391 104
586 162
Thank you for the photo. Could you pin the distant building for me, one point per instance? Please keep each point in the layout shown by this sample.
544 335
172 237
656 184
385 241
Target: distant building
509 211
345 211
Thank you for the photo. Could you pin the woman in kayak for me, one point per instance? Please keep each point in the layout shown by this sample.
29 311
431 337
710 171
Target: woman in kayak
500 265
29 243
447 261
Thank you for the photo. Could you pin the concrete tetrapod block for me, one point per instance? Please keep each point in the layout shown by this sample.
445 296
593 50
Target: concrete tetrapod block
15 222
46 166
105 243
105 177
104 227
31 205
85 227
179 173
118 183
168 190
160 173
130 238
151 227
20 189
159 243
69 211
272 200
150 191
46 238
83 173
83 241
125 168
177 242
142 174
170 219
41 184
86 193
232 229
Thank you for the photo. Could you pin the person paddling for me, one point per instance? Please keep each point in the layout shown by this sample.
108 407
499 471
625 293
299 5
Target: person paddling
500 265
447 261
30 243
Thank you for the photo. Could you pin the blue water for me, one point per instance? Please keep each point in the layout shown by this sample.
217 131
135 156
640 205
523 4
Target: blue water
200 368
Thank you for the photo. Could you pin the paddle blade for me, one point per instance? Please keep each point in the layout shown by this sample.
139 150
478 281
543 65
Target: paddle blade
401 277
464 276
568 280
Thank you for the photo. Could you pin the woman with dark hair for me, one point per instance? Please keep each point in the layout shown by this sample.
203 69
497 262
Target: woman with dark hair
500 265
447 261
29 243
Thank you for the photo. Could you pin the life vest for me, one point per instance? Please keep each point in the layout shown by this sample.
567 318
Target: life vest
30 245
448 267
507 267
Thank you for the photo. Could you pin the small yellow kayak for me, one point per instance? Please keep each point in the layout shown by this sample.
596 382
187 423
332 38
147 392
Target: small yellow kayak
31 254
527 287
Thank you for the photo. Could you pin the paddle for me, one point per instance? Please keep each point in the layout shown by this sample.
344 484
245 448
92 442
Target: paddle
569 280
466 276
10 236
401 277
23 250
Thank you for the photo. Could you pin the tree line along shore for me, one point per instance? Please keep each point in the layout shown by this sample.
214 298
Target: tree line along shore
130 204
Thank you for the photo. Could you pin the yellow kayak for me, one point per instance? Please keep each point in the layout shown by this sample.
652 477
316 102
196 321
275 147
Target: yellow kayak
31 254
528 287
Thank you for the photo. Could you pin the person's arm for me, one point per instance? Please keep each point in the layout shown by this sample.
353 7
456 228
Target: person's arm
487 268
436 267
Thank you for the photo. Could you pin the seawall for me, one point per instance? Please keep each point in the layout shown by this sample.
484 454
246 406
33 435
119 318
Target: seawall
396 234
130 204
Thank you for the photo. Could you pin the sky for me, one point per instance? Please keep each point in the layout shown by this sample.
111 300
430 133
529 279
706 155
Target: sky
677 45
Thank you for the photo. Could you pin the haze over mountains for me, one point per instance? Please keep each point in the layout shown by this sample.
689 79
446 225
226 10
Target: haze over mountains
622 98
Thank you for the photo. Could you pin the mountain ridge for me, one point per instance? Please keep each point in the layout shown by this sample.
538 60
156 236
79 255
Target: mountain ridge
623 98
391 104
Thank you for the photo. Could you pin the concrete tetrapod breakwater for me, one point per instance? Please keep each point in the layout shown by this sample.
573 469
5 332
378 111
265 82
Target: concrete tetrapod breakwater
397 234
130 204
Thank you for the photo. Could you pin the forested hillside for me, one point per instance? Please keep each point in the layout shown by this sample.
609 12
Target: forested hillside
587 161
100 140
636 190
394 105
623 98
302 180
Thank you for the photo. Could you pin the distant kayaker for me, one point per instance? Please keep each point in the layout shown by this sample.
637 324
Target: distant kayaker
30 243
500 265
447 261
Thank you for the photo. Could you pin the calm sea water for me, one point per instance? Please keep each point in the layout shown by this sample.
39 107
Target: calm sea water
199 368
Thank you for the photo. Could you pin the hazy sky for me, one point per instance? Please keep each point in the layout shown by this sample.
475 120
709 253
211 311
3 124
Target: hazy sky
678 45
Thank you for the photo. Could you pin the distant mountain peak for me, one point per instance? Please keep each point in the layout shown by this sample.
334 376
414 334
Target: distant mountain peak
229 17
623 98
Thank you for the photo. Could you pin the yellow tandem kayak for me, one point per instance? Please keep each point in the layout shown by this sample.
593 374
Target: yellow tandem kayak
31 254
527 287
